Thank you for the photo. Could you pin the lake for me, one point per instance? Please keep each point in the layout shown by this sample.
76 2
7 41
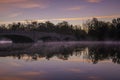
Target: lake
60 61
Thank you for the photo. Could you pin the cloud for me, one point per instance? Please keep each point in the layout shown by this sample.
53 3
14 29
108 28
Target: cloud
68 19
31 5
3 9
86 18
8 5
11 1
94 1
74 8
13 15
5 22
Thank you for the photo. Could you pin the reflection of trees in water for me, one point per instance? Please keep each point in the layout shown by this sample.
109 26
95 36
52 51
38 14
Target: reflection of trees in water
47 52
61 53
99 53
93 53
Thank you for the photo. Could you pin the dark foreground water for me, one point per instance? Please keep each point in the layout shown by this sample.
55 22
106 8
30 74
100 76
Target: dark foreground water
60 61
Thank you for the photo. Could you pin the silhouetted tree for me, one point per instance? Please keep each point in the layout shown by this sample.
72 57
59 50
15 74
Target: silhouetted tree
116 25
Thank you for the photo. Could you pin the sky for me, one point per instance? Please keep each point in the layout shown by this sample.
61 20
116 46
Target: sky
73 11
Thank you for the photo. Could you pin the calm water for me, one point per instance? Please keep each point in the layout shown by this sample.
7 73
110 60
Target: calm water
60 61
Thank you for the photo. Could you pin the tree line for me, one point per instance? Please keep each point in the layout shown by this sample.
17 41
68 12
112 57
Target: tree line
94 29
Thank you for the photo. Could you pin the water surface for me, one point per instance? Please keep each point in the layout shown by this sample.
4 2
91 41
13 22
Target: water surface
60 61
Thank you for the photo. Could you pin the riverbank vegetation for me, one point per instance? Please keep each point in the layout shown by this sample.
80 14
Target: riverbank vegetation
95 30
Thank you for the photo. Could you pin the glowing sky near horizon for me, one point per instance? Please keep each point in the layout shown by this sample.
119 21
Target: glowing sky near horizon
73 11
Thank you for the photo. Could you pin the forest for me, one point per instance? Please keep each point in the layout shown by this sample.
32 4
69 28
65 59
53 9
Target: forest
92 30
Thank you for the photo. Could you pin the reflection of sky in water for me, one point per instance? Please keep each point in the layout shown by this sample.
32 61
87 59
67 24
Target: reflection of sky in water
78 66
57 70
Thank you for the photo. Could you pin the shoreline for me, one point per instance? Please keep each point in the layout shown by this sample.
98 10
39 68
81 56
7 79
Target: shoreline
97 42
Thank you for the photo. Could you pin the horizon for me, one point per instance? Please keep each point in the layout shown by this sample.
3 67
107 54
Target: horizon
82 21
